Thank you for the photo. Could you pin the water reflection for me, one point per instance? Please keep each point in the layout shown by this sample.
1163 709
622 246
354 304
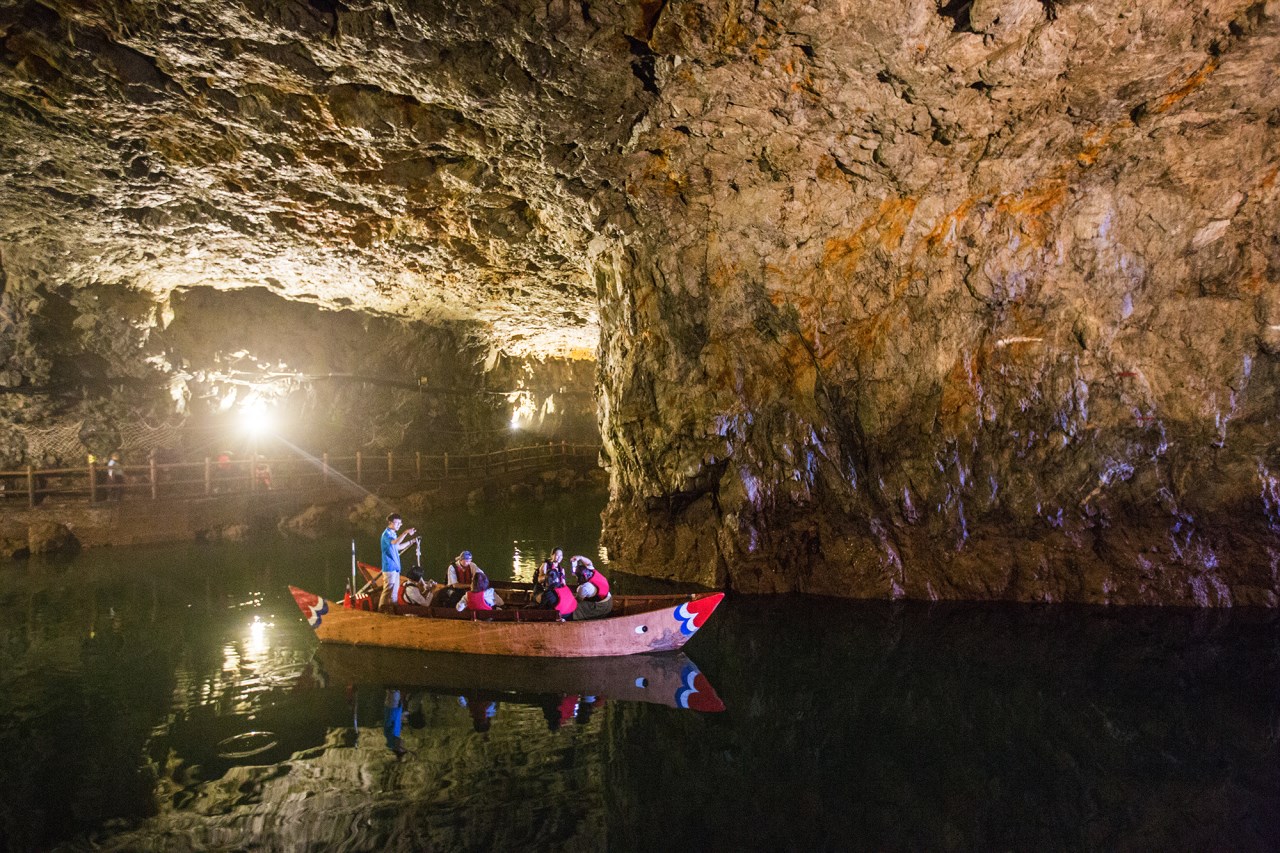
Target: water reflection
664 679
143 708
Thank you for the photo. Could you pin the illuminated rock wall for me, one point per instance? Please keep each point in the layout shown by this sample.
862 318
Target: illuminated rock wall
960 300
979 306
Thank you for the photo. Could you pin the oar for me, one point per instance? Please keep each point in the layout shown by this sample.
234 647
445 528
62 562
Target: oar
353 564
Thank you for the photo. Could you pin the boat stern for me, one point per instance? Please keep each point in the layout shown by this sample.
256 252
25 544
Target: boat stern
313 607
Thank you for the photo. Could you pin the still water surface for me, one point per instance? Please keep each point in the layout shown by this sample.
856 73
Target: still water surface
172 699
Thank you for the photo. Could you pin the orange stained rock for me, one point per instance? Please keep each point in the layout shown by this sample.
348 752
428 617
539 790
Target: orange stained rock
961 392
722 275
1094 143
888 224
1254 284
828 171
865 339
1269 179
1195 81
943 233
1031 207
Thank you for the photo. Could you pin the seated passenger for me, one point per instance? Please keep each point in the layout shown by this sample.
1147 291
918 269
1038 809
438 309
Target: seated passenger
594 598
480 597
551 564
461 570
418 589
557 596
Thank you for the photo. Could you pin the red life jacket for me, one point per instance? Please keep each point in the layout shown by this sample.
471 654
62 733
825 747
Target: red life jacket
602 587
475 601
565 602
464 573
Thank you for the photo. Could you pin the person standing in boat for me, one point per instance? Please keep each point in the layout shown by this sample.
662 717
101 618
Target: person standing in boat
393 542
552 563
594 598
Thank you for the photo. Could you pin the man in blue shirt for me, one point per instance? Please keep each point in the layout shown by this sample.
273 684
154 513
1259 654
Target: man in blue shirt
393 542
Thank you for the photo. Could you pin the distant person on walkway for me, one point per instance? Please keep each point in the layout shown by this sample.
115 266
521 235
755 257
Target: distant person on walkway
115 477
262 473
393 542
552 563
594 598
223 470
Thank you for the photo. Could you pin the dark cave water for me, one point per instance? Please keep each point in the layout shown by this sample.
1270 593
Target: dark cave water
171 699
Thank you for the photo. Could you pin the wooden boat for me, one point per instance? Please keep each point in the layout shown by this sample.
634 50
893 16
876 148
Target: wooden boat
638 623
667 679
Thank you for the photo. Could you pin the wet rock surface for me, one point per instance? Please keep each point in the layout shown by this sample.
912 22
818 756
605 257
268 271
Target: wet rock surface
937 301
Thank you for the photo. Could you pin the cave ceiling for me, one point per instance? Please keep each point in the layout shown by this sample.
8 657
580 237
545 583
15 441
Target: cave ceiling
446 161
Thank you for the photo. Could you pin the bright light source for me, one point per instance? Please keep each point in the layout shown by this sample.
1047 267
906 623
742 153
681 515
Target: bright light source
255 417
522 409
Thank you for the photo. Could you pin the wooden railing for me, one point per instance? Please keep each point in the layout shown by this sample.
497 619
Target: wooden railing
167 480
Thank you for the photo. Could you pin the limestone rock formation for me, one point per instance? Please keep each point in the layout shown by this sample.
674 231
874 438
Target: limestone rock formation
936 299
962 302
50 537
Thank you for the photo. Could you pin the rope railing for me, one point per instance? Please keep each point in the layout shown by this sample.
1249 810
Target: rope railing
224 475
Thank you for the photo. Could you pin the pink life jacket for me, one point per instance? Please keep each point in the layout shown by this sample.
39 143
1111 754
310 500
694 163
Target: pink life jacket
476 601
565 602
602 587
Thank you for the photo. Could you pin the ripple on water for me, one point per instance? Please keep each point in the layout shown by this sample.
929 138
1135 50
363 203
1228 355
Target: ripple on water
247 744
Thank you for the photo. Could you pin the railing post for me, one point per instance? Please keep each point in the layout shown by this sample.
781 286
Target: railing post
446 466
31 487
93 482
359 467
417 463
390 468
208 476
151 463
325 466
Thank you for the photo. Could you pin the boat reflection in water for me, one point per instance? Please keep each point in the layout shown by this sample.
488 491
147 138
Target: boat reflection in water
565 688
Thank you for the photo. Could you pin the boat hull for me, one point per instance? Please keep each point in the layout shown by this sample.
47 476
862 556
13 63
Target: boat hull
665 626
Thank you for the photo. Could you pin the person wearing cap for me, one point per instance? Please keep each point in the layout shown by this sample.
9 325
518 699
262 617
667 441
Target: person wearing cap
594 598
393 542
461 570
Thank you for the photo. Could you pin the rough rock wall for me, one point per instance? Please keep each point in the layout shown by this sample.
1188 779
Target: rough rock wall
977 301
962 299
433 161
